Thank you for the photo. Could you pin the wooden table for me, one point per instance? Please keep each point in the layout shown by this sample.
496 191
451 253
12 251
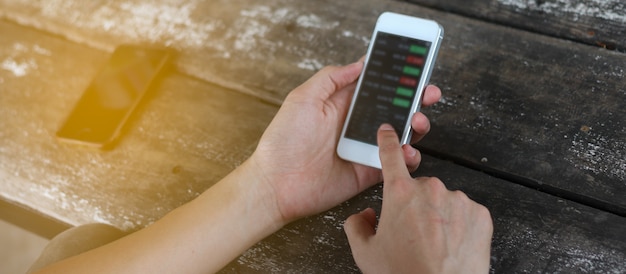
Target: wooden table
532 122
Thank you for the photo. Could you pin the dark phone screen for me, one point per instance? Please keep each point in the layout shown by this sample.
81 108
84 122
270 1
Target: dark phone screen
112 95
388 87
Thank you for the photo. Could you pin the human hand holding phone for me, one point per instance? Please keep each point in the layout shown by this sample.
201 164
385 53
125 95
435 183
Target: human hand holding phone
294 172
296 154
423 227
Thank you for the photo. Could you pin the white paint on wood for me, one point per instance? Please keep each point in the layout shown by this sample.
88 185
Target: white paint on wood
19 60
605 9
594 152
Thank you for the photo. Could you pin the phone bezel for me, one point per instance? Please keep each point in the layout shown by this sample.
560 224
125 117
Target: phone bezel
403 25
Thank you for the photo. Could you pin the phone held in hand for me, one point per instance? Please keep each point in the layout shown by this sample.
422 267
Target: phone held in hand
398 65
112 96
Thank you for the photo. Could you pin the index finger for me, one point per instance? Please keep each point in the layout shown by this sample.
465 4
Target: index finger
391 155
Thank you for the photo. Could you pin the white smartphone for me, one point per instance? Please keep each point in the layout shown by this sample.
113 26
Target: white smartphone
398 64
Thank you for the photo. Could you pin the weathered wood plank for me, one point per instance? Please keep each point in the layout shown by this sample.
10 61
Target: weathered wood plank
261 48
600 23
544 109
537 108
533 232
143 178
187 136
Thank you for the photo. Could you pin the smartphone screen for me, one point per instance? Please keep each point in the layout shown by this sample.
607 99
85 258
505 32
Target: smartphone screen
111 97
388 87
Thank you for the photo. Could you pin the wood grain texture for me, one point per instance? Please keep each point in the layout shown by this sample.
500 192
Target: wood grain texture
533 232
261 48
599 23
187 136
515 98
543 109
534 107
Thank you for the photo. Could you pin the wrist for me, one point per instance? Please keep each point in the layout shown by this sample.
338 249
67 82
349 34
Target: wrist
240 208
260 195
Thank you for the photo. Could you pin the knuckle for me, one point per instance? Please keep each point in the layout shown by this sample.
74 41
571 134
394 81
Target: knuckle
461 196
403 189
435 184
485 216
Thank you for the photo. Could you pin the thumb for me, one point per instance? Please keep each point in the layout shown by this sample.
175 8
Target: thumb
330 79
359 228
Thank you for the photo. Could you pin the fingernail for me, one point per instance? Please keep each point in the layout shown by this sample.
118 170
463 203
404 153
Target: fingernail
386 127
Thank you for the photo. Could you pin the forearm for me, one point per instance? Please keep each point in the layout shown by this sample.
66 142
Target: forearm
199 237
